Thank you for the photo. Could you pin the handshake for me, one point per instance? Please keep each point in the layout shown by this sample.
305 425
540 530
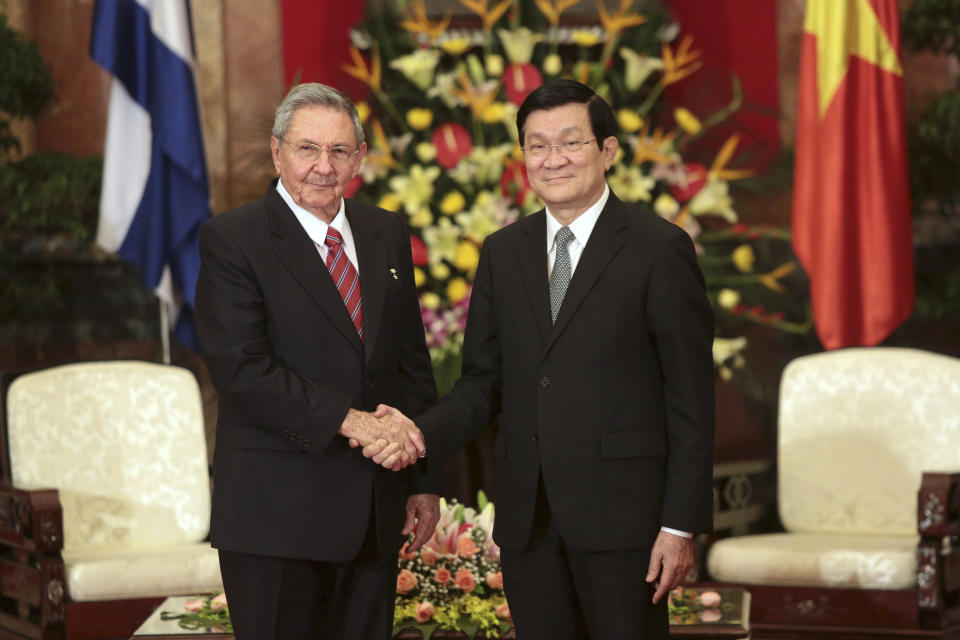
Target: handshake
388 437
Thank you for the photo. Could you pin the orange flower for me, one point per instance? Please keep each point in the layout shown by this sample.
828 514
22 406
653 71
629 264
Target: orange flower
503 611
679 65
428 556
552 9
359 70
424 611
487 16
622 19
417 21
442 576
406 582
495 580
465 580
466 547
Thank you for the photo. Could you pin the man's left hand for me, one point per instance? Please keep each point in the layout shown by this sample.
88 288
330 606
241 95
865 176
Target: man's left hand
423 513
670 562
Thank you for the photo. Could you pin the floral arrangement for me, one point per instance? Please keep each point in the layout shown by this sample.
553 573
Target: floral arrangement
443 148
454 580
208 611
692 606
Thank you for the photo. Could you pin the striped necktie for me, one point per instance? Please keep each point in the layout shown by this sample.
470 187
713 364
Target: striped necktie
345 277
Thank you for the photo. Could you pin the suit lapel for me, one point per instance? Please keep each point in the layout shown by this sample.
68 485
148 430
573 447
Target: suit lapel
533 270
605 241
371 254
299 255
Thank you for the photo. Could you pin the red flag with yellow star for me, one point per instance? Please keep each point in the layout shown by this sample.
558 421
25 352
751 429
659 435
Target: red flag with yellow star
851 204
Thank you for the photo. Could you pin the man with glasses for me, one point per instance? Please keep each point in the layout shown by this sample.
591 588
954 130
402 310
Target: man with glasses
590 333
308 318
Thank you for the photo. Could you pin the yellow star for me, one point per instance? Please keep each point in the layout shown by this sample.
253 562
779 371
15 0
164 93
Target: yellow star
845 28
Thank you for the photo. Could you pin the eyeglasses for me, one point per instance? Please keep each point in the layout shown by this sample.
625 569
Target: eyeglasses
566 149
340 155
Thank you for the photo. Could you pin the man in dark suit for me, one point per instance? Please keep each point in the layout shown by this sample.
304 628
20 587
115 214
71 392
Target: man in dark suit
590 330
308 318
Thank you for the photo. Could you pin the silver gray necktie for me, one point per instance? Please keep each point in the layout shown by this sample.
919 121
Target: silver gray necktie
560 276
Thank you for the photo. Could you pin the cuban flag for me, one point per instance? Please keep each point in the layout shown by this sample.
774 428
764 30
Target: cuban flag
155 195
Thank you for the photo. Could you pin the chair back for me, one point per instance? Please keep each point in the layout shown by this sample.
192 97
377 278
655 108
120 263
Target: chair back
857 427
123 442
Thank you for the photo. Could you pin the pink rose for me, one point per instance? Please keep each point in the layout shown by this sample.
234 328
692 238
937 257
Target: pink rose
495 580
503 611
406 582
219 602
711 615
404 555
429 557
466 547
710 599
193 606
465 580
442 576
424 611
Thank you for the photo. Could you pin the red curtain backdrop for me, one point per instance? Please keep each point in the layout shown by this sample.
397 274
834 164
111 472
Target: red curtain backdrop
736 37
315 41
851 213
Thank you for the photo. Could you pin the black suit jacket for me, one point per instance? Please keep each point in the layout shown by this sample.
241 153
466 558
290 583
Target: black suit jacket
614 402
288 364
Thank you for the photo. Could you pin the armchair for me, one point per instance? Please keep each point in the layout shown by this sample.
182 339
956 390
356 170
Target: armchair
104 500
867 442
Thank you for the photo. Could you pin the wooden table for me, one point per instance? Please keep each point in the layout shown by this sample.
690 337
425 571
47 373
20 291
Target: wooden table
733 624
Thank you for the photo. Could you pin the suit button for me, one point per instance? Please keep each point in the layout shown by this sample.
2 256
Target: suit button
545 381
533 438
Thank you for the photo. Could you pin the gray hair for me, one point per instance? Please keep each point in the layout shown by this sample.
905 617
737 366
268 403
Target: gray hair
314 94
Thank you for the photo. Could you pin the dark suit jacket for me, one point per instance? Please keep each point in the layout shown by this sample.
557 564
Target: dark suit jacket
614 402
288 364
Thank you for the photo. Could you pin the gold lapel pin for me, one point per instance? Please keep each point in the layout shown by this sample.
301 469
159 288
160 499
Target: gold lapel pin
393 272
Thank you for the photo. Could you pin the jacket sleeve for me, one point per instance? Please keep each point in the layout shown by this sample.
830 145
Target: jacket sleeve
232 325
681 323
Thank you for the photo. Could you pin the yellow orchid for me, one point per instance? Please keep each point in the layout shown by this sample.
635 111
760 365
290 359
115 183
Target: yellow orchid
630 184
743 258
443 238
417 21
657 147
488 16
359 70
483 218
453 203
390 202
680 64
622 19
457 290
628 120
440 270
687 121
430 300
419 118
718 170
467 257
456 46
553 9
415 189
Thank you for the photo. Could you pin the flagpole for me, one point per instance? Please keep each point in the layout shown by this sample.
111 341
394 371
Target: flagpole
164 330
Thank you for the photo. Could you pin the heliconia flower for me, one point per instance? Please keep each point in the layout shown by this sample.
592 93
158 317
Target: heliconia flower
518 44
363 111
687 121
353 186
743 258
419 118
552 64
418 67
452 141
419 251
520 80
514 183
628 120
638 68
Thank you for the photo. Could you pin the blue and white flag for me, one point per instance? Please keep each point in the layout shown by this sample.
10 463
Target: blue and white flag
155 195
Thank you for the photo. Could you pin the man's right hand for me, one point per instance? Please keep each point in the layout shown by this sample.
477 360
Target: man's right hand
388 437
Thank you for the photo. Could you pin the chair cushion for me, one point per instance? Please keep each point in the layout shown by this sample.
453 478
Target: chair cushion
857 429
816 560
124 444
112 574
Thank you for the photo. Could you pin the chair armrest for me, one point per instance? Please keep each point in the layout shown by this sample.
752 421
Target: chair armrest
33 590
938 560
744 495
938 505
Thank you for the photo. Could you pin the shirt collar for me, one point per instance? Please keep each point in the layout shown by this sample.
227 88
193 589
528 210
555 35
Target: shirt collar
314 226
582 227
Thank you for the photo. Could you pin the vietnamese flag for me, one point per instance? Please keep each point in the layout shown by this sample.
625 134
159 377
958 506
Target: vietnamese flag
851 204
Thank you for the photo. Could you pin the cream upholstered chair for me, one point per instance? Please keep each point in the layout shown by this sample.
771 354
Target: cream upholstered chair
123 443
858 429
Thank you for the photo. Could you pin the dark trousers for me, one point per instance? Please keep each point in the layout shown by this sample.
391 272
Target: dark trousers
556 593
290 599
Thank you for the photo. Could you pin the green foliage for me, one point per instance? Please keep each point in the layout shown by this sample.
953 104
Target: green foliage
933 143
51 193
25 83
933 25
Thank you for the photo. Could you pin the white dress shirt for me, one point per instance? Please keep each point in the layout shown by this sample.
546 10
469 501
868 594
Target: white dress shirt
317 228
581 228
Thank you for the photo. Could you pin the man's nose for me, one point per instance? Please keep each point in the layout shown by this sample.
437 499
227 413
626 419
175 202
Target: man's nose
322 164
555 158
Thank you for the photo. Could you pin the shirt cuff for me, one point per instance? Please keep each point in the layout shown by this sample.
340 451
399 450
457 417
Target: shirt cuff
682 534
